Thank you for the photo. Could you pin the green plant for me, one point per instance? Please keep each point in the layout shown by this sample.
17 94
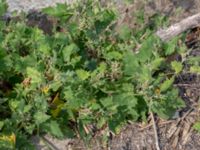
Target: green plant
84 76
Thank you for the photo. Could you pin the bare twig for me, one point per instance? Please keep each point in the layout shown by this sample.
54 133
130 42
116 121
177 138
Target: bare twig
49 144
159 124
187 85
174 129
176 29
155 132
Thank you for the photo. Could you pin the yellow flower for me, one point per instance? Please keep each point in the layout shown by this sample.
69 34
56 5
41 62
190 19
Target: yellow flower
10 138
157 91
45 89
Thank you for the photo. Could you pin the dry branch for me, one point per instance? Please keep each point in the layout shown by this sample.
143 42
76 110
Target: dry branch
176 29
155 132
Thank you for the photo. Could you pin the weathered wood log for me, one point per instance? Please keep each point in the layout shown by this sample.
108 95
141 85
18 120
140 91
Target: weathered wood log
180 27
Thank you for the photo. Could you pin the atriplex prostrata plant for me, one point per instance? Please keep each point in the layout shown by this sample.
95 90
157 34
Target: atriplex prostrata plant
84 77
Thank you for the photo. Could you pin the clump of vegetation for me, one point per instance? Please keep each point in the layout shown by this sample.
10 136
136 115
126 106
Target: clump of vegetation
83 77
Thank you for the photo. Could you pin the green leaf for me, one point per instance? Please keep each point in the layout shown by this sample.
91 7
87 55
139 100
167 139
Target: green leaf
41 117
1 124
177 66
44 47
24 62
82 74
145 51
131 65
134 114
55 85
104 19
68 51
116 124
194 60
162 109
68 94
166 84
35 75
170 47
128 87
101 122
3 7
107 102
114 55
145 74
125 32
125 99
195 69
30 128
55 129
6 63
61 11
27 108
156 63
197 126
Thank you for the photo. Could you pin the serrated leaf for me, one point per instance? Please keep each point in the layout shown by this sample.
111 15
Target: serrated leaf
161 111
35 75
27 108
114 55
104 19
102 67
125 99
82 74
170 46
124 32
145 51
41 117
166 84
6 63
107 102
55 85
68 94
127 87
177 66
101 122
134 114
197 126
3 7
1 124
61 11
44 48
131 64
195 69
145 74
156 63
115 126
68 51
55 129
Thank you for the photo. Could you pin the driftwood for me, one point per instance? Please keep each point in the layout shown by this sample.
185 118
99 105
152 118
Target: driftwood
176 29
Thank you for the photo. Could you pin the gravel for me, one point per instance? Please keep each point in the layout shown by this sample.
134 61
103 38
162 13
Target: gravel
26 5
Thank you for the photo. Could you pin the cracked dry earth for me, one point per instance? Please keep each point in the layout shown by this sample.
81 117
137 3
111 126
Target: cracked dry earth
174 134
